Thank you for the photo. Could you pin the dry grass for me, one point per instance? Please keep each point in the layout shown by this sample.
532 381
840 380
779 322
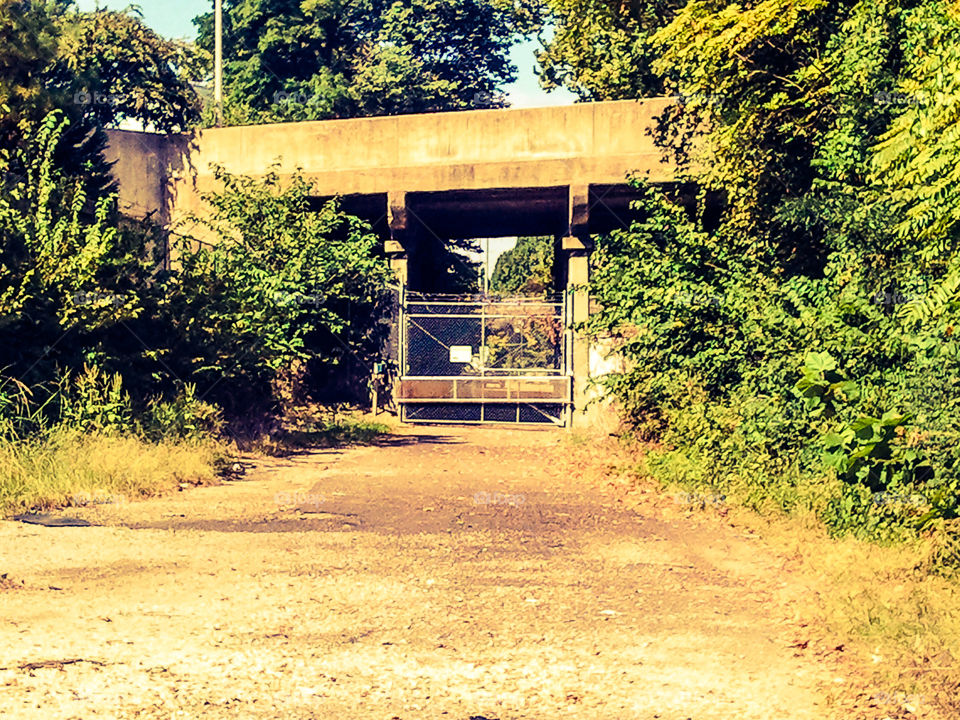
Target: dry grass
887 604
67 468
895 608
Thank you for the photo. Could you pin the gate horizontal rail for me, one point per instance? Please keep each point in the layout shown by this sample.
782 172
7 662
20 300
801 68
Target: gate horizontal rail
486 389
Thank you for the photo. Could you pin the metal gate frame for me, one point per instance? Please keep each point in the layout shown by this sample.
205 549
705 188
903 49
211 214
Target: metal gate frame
544 394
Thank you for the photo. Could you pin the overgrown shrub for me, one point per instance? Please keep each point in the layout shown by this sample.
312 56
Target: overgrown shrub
787 391
185 417
96 334
284 285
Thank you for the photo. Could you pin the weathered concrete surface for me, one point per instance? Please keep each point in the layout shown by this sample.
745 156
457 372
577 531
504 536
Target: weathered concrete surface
595 142
577 145
140 163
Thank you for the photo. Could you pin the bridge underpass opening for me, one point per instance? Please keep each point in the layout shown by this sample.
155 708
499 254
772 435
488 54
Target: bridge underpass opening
493 348
482 355
482 358
464 351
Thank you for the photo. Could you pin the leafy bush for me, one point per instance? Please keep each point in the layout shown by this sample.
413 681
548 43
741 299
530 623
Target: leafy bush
793 392
284 285
62 259
185 417
96 334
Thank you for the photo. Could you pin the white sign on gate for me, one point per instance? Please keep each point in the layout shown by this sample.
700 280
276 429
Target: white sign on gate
461 353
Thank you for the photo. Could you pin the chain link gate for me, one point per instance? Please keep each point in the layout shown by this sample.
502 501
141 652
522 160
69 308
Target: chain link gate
483 359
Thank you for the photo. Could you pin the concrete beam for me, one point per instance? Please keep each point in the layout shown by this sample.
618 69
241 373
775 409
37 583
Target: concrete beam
577 145
578 213
398 215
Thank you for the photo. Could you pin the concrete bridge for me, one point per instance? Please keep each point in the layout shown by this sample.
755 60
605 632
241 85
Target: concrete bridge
423 179
479 173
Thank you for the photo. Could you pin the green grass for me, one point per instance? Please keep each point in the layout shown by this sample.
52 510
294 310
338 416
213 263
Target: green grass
64 468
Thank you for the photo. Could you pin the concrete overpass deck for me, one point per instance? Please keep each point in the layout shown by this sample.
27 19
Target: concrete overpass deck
469 174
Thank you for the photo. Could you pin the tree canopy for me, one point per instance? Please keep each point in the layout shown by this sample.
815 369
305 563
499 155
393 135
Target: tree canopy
115 68
602 50
100 67
525 269
350 58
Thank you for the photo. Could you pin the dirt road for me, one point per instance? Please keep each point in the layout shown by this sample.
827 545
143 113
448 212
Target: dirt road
463 573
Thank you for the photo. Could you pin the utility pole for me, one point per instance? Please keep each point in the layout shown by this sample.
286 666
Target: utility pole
218 60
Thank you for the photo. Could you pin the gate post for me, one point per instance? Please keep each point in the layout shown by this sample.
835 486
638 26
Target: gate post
397 248
576 246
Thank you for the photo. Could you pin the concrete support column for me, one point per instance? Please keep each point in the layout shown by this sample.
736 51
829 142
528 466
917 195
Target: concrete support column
399 263
576 247
577 255
397 248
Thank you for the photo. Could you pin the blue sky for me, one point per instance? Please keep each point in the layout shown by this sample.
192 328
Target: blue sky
173 19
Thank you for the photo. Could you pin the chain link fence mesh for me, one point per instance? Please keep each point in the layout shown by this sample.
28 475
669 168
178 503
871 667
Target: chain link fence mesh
476 358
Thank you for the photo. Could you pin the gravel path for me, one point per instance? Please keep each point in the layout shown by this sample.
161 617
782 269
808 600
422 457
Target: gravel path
461 573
